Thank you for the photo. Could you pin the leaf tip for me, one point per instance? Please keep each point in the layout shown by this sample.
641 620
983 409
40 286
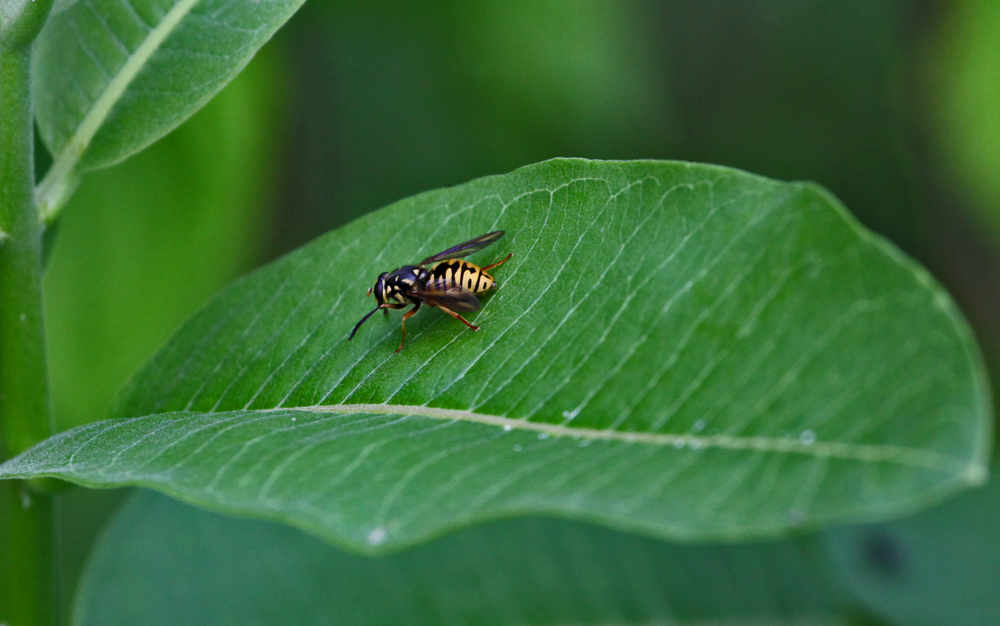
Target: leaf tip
975 474
377 536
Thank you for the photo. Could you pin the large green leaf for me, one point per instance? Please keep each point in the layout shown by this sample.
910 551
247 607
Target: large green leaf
688 350
112 76
161 562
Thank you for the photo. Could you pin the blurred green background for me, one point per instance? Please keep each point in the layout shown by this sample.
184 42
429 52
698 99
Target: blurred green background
892 105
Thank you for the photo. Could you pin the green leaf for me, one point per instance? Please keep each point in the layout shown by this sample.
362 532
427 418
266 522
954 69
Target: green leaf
685 350
529 571
145 243
113 76
58 6
939 567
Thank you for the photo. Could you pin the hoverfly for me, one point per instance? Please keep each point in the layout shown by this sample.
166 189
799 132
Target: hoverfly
441 280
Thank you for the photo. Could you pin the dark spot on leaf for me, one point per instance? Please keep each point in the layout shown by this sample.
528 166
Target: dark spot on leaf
884 554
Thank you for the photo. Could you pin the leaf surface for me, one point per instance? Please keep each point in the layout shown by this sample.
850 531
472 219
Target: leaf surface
113 76
528 571
685 350
941 566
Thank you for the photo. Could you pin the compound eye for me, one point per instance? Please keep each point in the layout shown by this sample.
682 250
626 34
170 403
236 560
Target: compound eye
379 289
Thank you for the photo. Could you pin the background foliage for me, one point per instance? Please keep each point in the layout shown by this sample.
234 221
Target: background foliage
891 105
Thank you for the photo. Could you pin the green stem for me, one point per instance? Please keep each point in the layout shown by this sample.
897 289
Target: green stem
26 516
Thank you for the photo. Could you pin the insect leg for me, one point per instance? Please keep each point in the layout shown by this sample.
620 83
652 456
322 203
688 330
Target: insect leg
409 313
387 306
458 317
500 262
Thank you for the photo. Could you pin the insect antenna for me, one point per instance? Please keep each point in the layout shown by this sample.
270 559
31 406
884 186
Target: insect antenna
363 319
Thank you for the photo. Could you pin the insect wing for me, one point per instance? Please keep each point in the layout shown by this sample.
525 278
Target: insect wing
464 249
454 298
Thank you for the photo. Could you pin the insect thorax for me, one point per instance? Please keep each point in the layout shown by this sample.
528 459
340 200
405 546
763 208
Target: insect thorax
400 281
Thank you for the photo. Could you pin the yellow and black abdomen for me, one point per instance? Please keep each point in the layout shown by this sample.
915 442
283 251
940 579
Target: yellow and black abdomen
459 273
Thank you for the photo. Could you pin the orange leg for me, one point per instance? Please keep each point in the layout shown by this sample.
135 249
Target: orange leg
458 317
500 262
409 313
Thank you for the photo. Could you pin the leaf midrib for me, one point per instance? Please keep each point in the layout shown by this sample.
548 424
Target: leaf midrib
821 449
65 163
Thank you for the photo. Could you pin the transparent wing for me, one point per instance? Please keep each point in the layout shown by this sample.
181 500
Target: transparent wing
464 249
458 299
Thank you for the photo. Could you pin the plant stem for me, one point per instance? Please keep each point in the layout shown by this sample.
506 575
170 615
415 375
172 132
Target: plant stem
26 517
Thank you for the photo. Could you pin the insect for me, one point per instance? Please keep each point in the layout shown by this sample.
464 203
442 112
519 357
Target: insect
442 280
